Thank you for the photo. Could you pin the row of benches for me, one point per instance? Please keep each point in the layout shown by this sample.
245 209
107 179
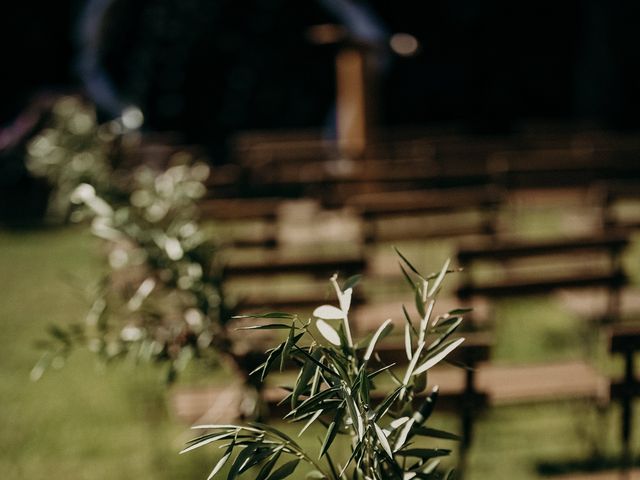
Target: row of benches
482 384
469 392
424 179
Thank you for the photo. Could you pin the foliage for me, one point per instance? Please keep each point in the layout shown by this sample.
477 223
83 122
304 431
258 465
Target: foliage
162 287
160 298
73 149
336 386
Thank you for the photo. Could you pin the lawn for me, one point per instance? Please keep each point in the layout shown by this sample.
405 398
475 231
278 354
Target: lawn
88 422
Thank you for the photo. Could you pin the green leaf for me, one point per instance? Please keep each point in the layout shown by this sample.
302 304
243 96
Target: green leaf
354 413
424 453
425 410
285 470
374 374
407 318
435 433
356 452
316 362
407 262
271 326
438 357
408 347
460 311
382 331
387 402
345 300
261 453
453 326
288 345
270 360
403 435
419 303
315 475
308 369
332 431
383 440
313 418
328 332
407 277
438 281
351 282
328 312
240 460
288 316
412 364
450 474
205 440
274 431
267 467
313 403
431 466
221 463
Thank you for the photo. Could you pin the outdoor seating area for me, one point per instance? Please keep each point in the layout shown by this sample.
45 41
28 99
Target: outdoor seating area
336 239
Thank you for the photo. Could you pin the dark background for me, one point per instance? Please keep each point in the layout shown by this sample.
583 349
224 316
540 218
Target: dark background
207 68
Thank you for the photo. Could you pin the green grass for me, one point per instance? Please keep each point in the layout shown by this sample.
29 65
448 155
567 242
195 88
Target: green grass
81 422
87 422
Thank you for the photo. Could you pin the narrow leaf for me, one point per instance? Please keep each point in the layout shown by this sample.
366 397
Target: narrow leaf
205 440
285 470
305 375
383 330
407 277
439 278
313 418
383 440
386 404
407 262
267 467
331 432
424 453
407 318
412 365
437 358
289 316
351 282
435 433
221 462
402 436
419 303
271 326
408 347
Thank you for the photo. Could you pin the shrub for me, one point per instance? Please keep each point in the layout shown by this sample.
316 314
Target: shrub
336 386
71 150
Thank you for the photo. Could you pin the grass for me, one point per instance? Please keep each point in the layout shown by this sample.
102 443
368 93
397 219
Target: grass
91 423
83 421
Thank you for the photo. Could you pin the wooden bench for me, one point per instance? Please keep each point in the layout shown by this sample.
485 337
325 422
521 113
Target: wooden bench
458 391
274 266
624 340
419 206
613 195
579 263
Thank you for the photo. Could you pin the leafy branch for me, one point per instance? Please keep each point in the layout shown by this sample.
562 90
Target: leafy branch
336 387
